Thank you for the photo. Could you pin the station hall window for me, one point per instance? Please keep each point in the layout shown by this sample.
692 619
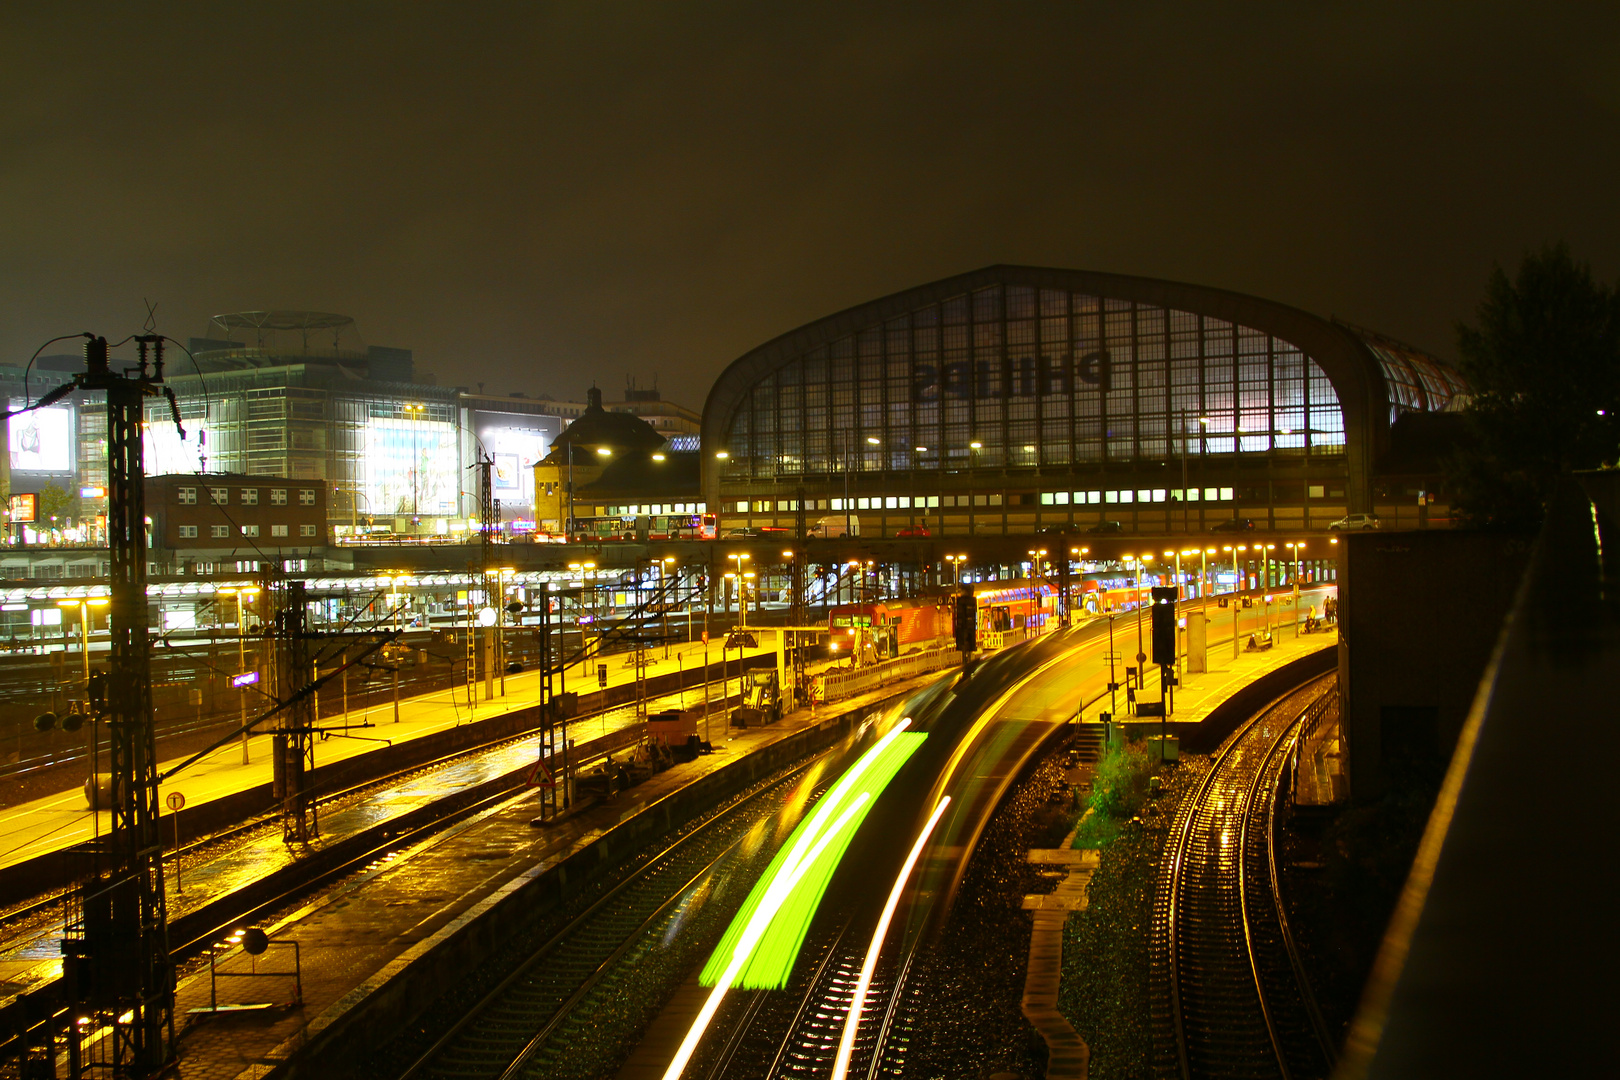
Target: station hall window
186 496
306 496
278 496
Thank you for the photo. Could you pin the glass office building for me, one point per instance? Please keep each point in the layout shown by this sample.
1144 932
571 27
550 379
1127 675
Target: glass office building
1013 398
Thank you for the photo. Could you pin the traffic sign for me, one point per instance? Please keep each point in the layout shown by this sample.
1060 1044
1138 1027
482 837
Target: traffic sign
175 800
601 675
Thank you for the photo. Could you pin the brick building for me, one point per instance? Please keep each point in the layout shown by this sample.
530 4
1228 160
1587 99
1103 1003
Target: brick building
202 520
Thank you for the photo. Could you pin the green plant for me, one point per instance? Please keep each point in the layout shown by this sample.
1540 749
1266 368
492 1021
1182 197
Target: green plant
1120 785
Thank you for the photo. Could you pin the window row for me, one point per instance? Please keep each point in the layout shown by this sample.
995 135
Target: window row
218 496
222 532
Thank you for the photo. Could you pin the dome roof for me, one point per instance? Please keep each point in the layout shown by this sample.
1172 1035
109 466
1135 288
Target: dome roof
596 427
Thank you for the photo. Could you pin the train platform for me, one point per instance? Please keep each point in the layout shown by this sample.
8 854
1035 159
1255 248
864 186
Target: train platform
56 822
1229 669
194 885
421 906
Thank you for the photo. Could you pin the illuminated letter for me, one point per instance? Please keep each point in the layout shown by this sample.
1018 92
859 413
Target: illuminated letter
926 386
1095 369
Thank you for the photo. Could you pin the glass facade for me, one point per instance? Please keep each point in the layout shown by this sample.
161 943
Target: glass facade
1014 376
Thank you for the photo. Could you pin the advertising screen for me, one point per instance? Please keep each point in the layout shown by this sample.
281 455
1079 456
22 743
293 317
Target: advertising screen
165 453
42 440
515 451
24 507
410 466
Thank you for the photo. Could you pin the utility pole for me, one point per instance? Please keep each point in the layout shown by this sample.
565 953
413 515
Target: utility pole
486 520
115 945
299 823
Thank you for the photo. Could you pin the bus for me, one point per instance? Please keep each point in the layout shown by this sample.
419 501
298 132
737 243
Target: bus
646 527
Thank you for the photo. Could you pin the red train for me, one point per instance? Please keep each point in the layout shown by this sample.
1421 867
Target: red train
892 624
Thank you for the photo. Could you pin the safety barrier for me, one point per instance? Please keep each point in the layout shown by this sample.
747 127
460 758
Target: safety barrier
832 685
1001 639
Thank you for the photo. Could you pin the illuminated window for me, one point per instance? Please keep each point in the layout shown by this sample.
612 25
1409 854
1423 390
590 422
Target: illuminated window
1226 494
250 530
1211 494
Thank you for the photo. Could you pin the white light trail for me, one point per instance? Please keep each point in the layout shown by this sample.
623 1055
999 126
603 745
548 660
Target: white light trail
774 898
846 1045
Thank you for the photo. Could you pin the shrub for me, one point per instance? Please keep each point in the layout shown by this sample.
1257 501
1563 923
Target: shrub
1120 784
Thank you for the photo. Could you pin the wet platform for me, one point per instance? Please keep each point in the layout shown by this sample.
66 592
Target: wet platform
372 942
59 821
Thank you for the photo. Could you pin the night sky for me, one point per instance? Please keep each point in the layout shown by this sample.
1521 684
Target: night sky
536 196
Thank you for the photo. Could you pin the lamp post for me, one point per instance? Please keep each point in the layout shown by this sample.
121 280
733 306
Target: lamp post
663 602
414 411
241 656
911 506
1141 656
956 568
1266 580
742 610
1078 556
973 471
1295 547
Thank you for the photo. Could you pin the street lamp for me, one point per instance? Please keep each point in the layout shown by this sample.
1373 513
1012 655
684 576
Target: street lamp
1141 656
241 655
742 612
973 471
1296 547
663 604
415 411
916 463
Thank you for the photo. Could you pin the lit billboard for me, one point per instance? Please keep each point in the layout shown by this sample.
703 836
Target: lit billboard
515 450
410 466
163 451
42 441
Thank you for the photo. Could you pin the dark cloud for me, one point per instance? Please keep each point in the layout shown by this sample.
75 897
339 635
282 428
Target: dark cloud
538 196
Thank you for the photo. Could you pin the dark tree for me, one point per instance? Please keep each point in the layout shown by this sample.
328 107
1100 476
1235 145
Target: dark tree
1544 366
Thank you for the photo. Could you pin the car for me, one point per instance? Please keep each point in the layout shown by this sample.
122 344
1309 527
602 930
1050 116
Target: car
757 532
1234 525
1067 528
1106 527
912 531
1356 521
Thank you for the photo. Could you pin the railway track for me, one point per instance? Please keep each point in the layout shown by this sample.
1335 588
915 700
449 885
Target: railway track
1231 996
543 1014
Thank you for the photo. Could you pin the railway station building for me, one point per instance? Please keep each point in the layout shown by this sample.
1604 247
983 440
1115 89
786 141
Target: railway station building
1016 398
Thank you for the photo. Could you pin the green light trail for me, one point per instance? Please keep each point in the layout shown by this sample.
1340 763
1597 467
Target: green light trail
770 960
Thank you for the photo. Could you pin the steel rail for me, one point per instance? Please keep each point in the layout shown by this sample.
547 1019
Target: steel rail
1181 838
574 926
